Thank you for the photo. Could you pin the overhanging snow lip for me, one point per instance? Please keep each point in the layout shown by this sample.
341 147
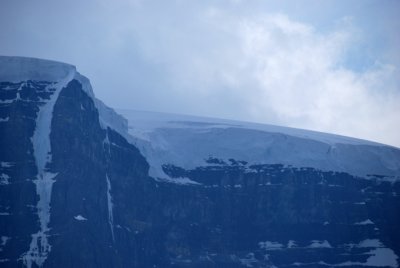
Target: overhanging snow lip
17 69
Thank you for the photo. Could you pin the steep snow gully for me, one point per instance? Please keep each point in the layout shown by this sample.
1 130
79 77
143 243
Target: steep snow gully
19 69
40 247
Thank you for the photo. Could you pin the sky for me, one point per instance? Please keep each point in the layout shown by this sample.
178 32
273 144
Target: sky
331 66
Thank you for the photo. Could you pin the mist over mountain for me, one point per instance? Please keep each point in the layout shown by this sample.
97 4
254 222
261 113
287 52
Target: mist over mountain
83 185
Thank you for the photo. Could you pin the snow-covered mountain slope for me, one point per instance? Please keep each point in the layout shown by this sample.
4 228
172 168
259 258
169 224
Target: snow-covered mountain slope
19 69
33 86
75 189
189 141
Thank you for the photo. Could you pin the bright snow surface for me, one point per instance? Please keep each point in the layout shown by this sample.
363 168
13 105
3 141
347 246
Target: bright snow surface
187 141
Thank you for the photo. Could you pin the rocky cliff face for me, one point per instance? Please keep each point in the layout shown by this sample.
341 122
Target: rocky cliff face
80 195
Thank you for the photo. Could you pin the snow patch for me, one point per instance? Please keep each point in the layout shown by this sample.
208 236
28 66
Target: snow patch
6 164
179 180
291 244
249 260
4 179
4 240
39 246
319 244
268 245
6 101
382 257
80 218
370 243
379 257
366 222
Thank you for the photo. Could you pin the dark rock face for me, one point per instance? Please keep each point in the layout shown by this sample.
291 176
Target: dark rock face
19 104
107 212
273 215
80 188
84 156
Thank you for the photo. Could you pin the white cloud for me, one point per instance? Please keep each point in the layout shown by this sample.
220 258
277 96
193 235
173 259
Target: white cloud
302 80
272 69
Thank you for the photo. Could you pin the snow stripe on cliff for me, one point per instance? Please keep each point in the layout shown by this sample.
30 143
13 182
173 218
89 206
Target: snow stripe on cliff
39 247
110 207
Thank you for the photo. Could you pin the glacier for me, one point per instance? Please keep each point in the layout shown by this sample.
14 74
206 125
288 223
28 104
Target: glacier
188 141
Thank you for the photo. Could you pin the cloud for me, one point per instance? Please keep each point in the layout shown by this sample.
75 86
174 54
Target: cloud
301 79
272 69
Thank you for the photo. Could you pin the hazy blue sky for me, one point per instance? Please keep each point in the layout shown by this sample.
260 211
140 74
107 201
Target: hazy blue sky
326 65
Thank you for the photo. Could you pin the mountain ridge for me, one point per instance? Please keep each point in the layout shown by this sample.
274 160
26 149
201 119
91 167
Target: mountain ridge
86 193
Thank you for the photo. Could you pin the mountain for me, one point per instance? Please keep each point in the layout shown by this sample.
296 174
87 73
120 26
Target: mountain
83 186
